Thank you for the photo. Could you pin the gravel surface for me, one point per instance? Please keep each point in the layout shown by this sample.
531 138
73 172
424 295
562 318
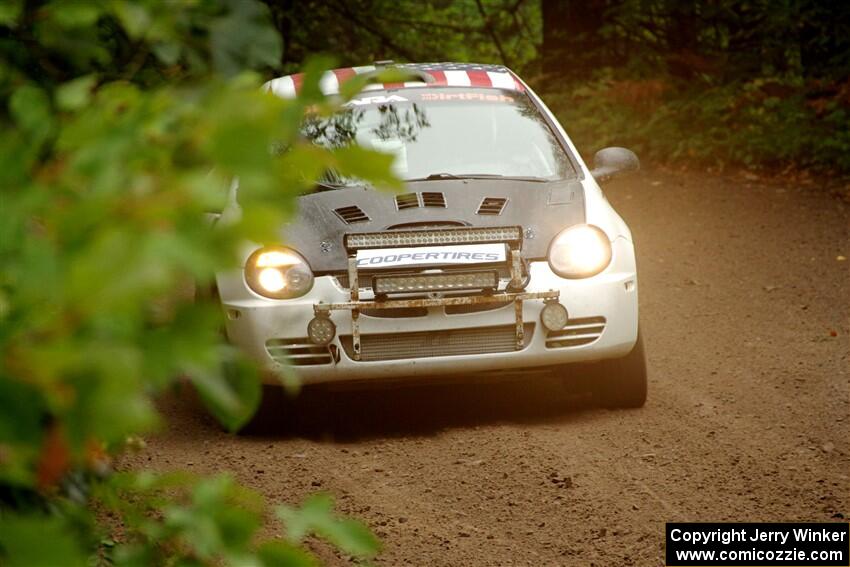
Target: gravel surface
744 306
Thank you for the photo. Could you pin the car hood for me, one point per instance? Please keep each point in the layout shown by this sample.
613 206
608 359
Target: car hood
541 209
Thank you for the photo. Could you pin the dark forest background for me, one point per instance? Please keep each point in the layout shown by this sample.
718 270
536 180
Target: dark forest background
763 84
754 83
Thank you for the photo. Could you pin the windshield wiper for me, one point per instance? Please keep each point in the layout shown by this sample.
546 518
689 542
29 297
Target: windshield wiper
437 176
328 186
331 186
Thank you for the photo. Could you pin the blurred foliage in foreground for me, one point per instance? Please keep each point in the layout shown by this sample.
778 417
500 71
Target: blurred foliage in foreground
754 83
123 123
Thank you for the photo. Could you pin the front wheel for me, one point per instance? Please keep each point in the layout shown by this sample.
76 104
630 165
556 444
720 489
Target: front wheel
614 383
271 415
621 382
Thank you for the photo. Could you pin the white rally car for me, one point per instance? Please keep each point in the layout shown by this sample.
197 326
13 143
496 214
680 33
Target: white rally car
502 255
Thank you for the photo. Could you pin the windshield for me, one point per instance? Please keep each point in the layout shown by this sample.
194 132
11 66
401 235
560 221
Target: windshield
447 132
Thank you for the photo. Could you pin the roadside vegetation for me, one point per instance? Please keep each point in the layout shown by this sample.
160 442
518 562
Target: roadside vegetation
123 126
761 85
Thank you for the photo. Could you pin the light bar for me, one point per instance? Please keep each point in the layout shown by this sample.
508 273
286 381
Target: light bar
435 282
405 238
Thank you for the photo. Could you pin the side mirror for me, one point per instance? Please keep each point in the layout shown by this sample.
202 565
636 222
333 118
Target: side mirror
610 162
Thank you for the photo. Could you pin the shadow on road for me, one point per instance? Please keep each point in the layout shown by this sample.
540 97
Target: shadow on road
414 410
391 410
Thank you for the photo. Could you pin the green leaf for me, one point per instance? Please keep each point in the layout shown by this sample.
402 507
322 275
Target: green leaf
354 85
134 16
316 516
21 412
167 52
282 554
75 94
9 12
355 161
30 108
313 71
231 395
109 408
198 530
351 536
38 541
75 13
244 39
300 522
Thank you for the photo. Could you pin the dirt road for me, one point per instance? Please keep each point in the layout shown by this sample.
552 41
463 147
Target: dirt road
744 304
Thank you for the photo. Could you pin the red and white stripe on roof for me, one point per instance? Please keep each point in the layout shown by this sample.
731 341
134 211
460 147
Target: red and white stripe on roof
444 75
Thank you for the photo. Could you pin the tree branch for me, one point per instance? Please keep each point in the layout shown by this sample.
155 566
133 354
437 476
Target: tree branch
489 27
387 41
419 24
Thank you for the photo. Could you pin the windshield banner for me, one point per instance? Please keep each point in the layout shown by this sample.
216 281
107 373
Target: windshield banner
431 256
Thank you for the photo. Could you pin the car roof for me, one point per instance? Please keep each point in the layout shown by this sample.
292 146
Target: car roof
433 75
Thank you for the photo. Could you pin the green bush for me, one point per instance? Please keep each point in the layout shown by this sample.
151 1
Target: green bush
123 125
758 123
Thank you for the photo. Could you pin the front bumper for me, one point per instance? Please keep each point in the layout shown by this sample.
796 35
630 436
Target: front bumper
603 313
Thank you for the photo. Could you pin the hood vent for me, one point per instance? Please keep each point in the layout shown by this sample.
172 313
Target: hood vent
491 206
424 199
407 201
433 200
352 214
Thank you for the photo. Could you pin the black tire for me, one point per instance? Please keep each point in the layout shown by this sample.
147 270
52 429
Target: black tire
272 414
621 382
283 413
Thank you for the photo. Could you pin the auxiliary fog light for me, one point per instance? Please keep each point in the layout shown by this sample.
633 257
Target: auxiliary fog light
321 330
554 316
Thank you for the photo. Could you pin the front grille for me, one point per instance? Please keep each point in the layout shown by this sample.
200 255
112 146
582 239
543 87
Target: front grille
298 352
426 344
396 312
475 308
351 214
578 332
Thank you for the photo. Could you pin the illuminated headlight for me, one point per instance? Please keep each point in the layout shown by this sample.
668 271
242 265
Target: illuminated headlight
580 251
278 273
435 282
554 316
